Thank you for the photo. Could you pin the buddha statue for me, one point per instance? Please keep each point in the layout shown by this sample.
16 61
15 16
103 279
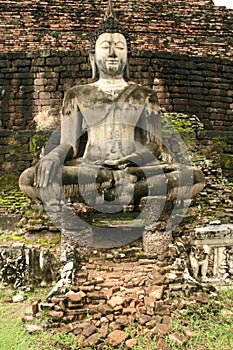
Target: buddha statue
123 158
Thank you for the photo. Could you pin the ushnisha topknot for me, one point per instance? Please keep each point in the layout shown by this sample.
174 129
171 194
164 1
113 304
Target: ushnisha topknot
110 25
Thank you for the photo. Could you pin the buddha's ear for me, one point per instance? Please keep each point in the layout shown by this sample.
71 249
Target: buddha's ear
126 71
93 65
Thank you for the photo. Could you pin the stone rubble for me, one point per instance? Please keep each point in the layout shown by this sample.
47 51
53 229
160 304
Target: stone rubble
110 296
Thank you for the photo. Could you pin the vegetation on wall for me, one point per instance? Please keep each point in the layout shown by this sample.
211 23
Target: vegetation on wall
37 144
183 123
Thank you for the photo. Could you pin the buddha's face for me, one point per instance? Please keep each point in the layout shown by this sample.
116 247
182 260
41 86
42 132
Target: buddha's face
111 54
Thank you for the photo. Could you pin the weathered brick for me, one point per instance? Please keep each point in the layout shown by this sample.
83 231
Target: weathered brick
53 61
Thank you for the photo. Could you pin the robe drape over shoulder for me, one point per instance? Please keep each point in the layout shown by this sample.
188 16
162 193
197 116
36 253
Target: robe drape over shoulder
116 126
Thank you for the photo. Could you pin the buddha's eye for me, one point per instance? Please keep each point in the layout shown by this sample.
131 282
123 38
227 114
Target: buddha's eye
105 45
119 47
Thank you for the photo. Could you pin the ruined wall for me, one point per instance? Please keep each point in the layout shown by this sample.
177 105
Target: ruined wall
35 82
183 49
196 27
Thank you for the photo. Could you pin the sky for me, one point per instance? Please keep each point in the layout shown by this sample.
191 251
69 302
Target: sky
227 3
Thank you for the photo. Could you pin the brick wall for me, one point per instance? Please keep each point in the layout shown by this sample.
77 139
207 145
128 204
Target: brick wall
36 81
196 27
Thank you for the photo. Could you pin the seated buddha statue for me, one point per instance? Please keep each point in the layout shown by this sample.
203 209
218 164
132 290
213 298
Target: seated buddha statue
123 158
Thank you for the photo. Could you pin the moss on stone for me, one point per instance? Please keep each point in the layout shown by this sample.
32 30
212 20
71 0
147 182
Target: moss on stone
13 200
9 182
219 143
180 121
41 241
37 142
227 161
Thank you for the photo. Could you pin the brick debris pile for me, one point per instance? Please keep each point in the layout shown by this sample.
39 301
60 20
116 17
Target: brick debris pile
116 291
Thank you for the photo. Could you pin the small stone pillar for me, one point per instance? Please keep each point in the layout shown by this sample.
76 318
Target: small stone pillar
74 229
157 235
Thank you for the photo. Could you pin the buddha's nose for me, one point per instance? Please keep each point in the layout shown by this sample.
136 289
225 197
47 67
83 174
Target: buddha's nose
112 52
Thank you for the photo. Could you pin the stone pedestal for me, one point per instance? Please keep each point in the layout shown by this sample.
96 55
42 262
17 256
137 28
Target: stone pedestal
157 234
156 240
83 227
74 229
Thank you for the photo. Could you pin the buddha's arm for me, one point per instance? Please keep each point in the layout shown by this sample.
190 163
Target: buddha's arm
72 120
49 166
150 130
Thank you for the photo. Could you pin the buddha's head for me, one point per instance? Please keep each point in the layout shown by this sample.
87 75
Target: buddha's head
110 48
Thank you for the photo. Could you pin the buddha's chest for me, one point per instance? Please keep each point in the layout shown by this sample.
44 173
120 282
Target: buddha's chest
113 134
110 121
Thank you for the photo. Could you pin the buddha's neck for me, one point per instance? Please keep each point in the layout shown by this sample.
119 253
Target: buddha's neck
111 83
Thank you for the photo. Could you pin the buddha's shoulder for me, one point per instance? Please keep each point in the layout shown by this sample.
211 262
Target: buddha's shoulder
142 93
79 90
141 88
93 91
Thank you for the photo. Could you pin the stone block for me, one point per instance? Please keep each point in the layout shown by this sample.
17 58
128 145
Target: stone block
116 301
40 61
116 337
56 315
93 340
44 95
33 328
76 297
178 339
211 253
53 61
157 241
40 81
89 330
130 343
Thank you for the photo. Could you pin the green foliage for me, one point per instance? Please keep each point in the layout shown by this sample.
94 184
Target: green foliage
37 142
12 333
227 161
65 339
180 121
9 182
11 198
220 142
13 142
144 342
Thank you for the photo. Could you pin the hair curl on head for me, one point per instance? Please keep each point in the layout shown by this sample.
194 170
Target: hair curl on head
110 25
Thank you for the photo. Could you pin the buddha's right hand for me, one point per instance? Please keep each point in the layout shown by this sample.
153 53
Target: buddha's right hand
47 170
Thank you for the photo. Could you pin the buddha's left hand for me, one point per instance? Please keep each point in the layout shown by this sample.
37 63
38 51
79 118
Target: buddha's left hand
122 162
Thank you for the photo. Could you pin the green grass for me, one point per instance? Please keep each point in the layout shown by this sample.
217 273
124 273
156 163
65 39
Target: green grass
211 323
12 333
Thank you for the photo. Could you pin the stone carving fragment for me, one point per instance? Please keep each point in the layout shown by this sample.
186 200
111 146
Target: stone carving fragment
199 258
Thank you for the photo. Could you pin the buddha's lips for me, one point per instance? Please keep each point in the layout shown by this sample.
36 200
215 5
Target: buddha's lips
111 61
